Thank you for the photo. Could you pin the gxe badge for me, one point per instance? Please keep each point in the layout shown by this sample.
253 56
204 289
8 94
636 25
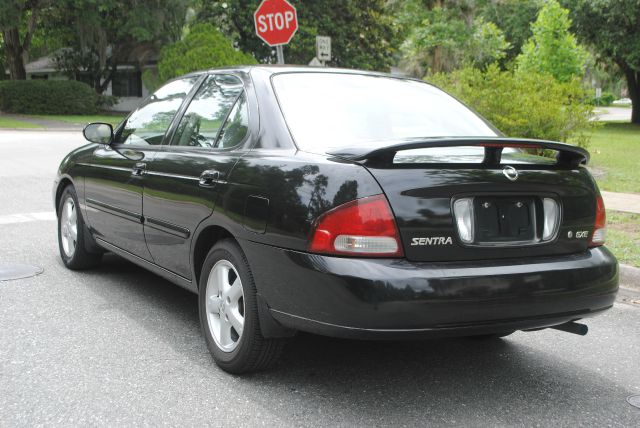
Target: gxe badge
510 172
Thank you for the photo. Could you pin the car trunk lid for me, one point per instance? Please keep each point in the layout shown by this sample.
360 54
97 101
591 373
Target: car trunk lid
515 204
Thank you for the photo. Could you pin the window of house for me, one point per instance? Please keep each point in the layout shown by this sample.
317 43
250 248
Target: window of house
85 78
127 84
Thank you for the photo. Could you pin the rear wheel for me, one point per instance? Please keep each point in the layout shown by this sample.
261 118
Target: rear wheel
229 312
71 230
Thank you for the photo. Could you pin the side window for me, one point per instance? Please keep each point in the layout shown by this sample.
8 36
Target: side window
237 125
148 124
201 123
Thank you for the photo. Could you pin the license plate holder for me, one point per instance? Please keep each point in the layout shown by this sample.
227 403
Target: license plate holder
505 219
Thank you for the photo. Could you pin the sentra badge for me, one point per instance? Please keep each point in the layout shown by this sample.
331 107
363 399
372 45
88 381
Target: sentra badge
434 240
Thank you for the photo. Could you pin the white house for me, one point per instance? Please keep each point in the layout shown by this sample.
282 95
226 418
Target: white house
127 83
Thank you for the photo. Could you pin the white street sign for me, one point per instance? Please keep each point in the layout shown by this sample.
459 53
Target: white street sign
598 92
323 48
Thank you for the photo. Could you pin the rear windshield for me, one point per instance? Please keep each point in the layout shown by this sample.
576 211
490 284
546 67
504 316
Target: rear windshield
469 154
331 110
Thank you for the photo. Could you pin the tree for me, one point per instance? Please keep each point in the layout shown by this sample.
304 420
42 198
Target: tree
363 34
18 22
514 18
203 47
612 28
552 49
444 35
102 34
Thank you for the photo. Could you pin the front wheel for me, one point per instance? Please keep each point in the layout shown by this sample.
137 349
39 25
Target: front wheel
71 230
229 312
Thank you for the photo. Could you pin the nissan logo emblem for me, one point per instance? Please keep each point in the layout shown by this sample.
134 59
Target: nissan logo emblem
510 172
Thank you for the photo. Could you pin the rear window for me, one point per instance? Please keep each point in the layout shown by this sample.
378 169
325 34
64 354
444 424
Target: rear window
471 155
325 111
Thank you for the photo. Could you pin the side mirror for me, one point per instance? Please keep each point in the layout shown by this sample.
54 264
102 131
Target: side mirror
100 133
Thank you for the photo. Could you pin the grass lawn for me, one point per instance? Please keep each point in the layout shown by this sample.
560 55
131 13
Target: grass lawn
623 236
12 123
615 157
83 120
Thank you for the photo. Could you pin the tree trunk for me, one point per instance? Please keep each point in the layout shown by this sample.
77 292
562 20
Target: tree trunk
633 83
14 54
105 83
635 99
436 66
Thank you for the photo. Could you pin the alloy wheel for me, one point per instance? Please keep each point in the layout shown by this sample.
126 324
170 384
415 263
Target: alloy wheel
69 227
225 305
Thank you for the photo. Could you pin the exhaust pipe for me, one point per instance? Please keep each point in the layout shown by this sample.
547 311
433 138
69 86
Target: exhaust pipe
572 327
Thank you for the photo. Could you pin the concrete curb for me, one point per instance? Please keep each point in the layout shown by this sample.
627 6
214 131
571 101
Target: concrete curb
630 277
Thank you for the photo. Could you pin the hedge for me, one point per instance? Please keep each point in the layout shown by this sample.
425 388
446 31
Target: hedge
47 97
527 105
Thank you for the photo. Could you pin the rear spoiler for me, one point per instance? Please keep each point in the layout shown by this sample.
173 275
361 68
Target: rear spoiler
568 155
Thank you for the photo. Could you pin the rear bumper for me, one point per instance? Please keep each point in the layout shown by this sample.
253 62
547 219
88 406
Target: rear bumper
394 299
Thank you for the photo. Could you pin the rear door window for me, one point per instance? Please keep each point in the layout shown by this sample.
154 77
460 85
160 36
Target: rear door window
213 103
237 125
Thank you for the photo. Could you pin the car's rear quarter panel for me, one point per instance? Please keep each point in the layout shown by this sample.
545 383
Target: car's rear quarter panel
299 188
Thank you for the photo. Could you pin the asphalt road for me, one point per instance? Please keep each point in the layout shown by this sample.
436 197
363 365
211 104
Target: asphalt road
119 346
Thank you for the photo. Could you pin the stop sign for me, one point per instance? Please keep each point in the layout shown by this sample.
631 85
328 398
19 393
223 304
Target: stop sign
276 22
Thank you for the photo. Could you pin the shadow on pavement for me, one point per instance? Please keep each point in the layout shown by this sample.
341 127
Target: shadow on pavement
447 380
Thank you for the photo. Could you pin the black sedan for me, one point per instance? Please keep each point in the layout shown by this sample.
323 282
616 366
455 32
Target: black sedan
342 203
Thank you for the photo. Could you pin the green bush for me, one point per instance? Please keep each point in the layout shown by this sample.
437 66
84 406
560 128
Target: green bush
204 47
105 102
47 97
526 105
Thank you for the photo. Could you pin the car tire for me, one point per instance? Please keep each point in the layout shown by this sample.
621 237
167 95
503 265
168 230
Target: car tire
227 303
72 241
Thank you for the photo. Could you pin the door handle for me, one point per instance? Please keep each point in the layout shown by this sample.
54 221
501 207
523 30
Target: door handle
209 178
139 169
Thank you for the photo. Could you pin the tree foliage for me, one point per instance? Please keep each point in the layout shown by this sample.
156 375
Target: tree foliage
203 47
552 48
18 21
514 18
102 34
363 34
444 35
527 105
612 28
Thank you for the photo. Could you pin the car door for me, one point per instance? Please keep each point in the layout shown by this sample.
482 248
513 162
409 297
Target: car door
184 179
115 178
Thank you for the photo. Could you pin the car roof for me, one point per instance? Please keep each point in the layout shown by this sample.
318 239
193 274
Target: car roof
277 69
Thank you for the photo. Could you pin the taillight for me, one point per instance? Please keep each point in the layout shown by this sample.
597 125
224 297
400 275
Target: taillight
600 228
364 227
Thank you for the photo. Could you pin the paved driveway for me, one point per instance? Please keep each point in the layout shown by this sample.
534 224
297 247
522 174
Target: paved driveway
120 346
608 114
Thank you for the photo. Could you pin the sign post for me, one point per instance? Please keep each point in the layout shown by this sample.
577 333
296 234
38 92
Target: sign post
280 54
276 22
